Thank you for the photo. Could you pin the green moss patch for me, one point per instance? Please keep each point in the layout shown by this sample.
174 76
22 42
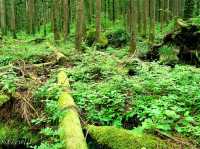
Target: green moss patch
116 138
3 99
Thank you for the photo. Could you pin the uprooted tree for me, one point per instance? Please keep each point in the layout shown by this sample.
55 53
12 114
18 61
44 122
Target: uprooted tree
186 38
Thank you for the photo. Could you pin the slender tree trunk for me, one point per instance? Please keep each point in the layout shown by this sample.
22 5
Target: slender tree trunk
198 8
90 11
65 18
55 19
146 9
167 11
45 12
133 18
79 24
70 15
152 22
161 15
3 16
30 15
13 19
98 19
113 11
139 18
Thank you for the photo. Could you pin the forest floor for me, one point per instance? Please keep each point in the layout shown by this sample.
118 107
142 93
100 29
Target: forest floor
108 87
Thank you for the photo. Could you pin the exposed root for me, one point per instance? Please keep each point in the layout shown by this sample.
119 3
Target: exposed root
186 37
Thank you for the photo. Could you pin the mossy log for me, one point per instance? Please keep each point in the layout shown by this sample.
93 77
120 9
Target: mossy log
3 99
70 126
116 138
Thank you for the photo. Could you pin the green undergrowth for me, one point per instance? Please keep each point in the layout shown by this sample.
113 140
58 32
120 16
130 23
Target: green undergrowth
14 132
22 51
160 97
111 90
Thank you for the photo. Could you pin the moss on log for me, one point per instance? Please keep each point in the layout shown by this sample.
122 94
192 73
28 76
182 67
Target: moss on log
3 99
70 127
116 138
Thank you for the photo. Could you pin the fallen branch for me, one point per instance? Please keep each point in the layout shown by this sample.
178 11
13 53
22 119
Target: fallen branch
70 127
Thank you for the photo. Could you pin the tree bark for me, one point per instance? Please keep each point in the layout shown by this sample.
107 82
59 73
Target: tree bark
161 14
70 127
55 20
79 24
98 19
30 15
13 18
152 23
133 18
65 18
3 16
145 16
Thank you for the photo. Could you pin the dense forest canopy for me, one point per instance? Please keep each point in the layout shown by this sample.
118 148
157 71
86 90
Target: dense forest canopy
59 16
99 74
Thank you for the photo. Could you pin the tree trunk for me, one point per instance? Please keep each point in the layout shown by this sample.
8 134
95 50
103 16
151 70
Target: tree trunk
133 18
113 11
79 24
65 18
30 15
3 16
145 16
98 19
13 19
55 19
198 8
161 15
139 16
152 23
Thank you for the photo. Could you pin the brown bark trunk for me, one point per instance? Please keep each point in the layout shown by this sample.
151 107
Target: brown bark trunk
79 24
65 18
98 19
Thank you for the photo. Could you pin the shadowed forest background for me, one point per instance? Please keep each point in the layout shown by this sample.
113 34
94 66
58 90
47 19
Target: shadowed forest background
99 74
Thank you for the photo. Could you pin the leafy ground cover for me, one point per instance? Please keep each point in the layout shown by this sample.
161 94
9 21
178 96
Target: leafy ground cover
109 89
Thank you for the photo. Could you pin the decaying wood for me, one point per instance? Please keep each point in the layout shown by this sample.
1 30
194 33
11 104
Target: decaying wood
186 38
118 138
70 126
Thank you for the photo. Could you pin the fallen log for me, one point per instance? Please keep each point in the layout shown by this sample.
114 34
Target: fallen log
37 40
116 138
70 126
